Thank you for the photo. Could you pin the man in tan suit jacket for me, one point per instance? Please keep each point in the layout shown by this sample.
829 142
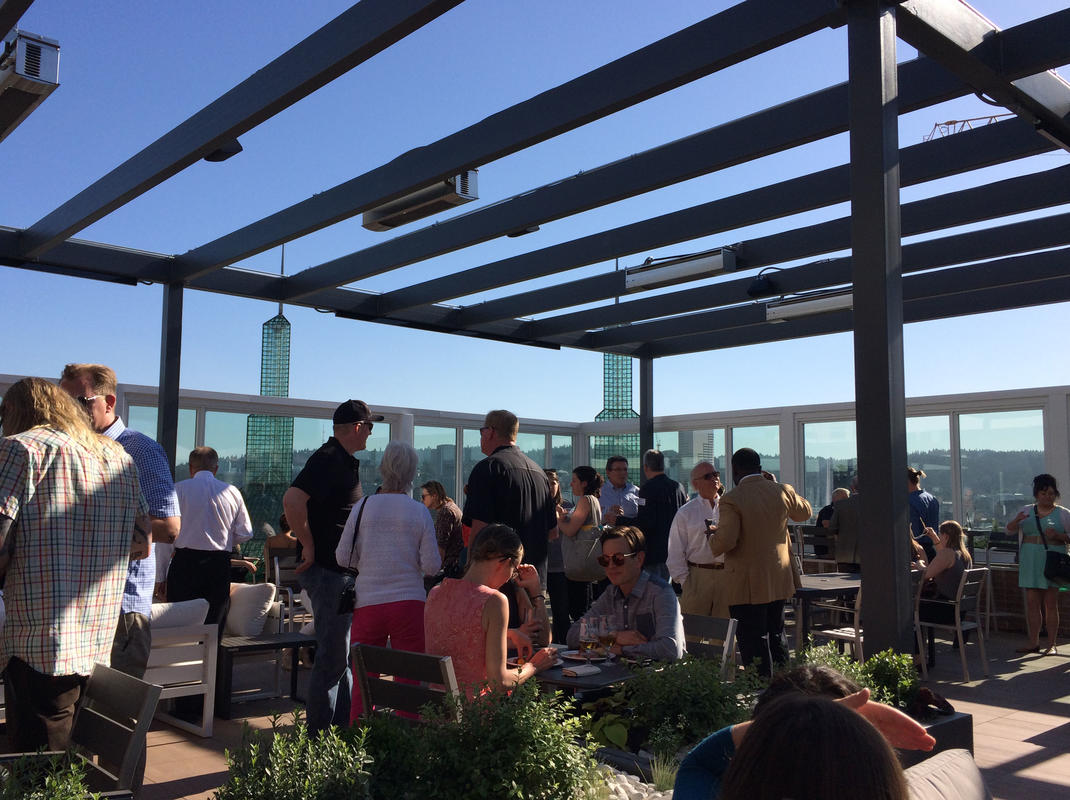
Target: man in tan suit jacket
753 535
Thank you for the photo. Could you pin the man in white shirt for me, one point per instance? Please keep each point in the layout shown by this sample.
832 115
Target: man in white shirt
690 562
214 519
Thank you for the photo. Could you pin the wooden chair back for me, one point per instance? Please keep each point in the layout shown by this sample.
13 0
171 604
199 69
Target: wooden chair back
711 637
111 722
379 668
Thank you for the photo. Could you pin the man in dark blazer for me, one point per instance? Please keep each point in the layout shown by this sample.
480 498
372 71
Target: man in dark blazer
758 578
660 498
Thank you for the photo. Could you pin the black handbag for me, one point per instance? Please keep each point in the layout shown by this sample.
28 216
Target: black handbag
1056 562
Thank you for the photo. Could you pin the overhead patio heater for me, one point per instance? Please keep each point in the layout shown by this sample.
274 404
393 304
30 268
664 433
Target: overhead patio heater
454 191
29 72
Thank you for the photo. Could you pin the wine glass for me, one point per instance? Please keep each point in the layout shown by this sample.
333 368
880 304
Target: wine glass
588 636
607 634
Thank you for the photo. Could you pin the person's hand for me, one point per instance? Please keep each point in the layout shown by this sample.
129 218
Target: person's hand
519 640
308 558
897 728
544 658
769 476
628 637
527 578
532 629
1021 515
610 517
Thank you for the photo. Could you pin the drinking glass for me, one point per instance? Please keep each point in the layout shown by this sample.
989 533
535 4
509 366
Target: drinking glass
607 634
588 636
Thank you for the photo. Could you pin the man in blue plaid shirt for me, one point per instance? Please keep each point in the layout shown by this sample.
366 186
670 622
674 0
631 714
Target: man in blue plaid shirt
95 387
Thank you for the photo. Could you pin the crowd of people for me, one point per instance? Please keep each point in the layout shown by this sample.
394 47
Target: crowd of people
83 499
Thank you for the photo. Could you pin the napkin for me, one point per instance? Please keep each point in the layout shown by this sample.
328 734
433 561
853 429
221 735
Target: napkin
580 670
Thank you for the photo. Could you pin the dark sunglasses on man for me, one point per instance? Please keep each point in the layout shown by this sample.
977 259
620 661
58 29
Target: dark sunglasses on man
617 558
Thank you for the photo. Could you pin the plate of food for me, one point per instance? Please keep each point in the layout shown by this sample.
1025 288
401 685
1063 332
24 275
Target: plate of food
516 662
596 655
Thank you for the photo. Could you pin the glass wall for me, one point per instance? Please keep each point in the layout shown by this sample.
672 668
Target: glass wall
533 445
437 448
929 449
225 431
765 439
470 456
684 449
829 459
561 461
999 454
144 419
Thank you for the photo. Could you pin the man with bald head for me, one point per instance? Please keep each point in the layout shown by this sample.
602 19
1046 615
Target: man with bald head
690 562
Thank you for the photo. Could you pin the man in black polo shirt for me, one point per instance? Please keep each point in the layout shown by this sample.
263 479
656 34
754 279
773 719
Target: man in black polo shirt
509 488
317 505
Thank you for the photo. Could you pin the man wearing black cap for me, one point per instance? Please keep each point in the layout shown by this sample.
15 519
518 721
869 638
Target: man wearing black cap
317 505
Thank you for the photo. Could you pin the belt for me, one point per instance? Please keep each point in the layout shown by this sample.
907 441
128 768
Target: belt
715 565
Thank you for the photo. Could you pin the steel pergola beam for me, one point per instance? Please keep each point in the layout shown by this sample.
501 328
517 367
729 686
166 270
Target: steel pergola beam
354 36
992 144
11 12
1029 280
923 82
949 31
722 40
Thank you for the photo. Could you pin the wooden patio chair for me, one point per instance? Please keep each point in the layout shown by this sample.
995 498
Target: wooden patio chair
378 670
109 727
850 633
712 637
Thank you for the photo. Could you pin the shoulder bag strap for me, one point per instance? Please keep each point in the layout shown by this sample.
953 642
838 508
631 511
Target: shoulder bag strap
596 510
356 529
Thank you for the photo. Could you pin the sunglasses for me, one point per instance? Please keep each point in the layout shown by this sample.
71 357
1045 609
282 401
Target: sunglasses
85 401
616 558
512 562
709 476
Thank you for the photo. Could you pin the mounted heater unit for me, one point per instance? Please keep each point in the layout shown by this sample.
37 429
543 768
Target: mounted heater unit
424 202
29 71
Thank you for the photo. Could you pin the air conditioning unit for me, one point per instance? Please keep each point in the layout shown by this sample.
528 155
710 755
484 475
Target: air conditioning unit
29 71
424 202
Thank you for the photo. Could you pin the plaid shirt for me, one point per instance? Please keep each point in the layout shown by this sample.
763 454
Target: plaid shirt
158 487
74 522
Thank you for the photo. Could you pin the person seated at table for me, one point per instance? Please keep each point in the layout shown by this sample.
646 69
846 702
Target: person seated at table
701 772
280 544
942 577
527 605
645 604
466 618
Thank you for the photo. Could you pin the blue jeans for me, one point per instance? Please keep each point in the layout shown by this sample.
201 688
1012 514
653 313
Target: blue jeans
330 684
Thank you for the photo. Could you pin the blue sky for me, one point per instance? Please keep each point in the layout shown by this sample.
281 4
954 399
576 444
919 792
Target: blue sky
130 71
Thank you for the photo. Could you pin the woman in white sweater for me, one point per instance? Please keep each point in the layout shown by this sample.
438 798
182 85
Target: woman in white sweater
394 548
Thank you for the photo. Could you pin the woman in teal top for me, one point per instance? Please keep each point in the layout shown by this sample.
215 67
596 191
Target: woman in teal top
1040 527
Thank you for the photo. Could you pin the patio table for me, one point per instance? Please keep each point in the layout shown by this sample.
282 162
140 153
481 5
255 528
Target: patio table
837 585
612 673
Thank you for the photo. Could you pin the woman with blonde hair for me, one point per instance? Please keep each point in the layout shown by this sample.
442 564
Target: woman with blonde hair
943 575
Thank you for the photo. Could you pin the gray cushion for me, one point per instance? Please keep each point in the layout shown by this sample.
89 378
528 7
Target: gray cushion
949 775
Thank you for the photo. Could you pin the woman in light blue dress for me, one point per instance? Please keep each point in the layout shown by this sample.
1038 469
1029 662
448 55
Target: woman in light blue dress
1040 527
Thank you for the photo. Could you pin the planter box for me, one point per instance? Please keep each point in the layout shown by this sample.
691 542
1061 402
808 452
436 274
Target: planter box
951 731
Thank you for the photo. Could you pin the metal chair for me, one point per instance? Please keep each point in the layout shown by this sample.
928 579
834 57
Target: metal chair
965 602
851 633
288 588
378 670
712 637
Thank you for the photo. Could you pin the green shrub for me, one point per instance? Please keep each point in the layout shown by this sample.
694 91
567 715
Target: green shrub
294 765
671 707
32 777
516 745
890 676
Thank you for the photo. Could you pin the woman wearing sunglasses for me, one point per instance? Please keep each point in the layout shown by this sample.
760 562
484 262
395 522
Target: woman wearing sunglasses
466 618
644 605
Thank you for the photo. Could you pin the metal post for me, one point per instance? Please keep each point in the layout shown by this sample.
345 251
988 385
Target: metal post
878 324
646 404
170 366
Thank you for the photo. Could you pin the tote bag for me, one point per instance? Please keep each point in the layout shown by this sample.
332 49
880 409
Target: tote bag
580 552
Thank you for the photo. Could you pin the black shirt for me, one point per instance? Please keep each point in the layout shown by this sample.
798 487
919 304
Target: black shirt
509 488
331 479
663 497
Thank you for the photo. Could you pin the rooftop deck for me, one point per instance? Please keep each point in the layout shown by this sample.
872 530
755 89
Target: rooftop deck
1021 715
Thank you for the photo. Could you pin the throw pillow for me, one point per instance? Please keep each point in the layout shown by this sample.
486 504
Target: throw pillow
249 606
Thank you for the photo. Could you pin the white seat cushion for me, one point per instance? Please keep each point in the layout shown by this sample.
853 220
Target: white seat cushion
177 615
950 775
249 606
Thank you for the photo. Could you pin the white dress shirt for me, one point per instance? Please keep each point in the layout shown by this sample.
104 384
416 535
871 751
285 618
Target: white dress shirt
687 537
214 516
